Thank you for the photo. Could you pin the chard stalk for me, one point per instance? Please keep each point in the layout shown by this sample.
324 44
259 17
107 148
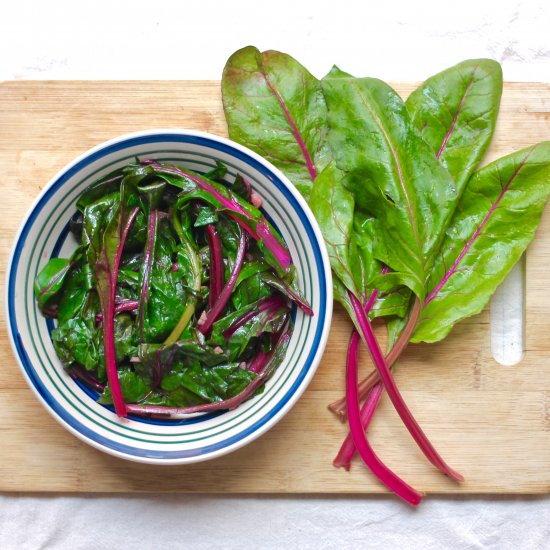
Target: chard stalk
109 320
123 305
223 298
147 264
216 265
262 232
339 406
347 450
397 399
378 468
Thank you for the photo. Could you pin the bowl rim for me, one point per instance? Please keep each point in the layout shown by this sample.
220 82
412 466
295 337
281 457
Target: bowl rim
325 263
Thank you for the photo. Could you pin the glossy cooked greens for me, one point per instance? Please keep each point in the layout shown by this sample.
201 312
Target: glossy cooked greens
156 308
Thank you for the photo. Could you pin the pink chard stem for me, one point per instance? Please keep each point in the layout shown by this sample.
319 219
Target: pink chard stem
339 406
147 263
109 324
347 450
377 467
263 231
216 265
397 399
213 314
124 305
264 304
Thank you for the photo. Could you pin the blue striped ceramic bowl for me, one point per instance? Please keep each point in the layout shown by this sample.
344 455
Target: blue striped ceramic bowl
44 234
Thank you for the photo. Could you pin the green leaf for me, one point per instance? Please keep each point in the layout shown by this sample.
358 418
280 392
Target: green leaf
73 298
274 106
168 289
52 277
196 187
333 207
395 303
349 236
262 322
108 184
392 173
134 388
250 290
78 339
495 220
206 215
124 332
182 353
362 263
217 173
456 112
208 384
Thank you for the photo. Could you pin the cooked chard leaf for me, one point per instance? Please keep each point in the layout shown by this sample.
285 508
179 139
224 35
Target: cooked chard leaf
52 277
134 388
130 301
208 384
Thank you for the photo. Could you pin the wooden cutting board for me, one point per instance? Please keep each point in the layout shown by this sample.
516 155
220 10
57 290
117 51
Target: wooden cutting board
490 422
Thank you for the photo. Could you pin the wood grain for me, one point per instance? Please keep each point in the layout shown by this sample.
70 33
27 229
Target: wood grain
490 422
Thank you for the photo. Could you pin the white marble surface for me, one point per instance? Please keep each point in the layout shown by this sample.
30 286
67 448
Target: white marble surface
393 40
399 40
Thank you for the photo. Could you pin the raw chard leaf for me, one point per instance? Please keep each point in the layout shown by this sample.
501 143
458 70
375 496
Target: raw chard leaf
333 207
396 178
456 112
495 220
274 106
390 304
349 237
360 250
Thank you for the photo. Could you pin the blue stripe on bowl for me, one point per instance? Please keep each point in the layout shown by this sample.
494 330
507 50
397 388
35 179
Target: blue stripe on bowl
75 425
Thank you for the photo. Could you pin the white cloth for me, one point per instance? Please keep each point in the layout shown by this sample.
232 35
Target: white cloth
271 523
